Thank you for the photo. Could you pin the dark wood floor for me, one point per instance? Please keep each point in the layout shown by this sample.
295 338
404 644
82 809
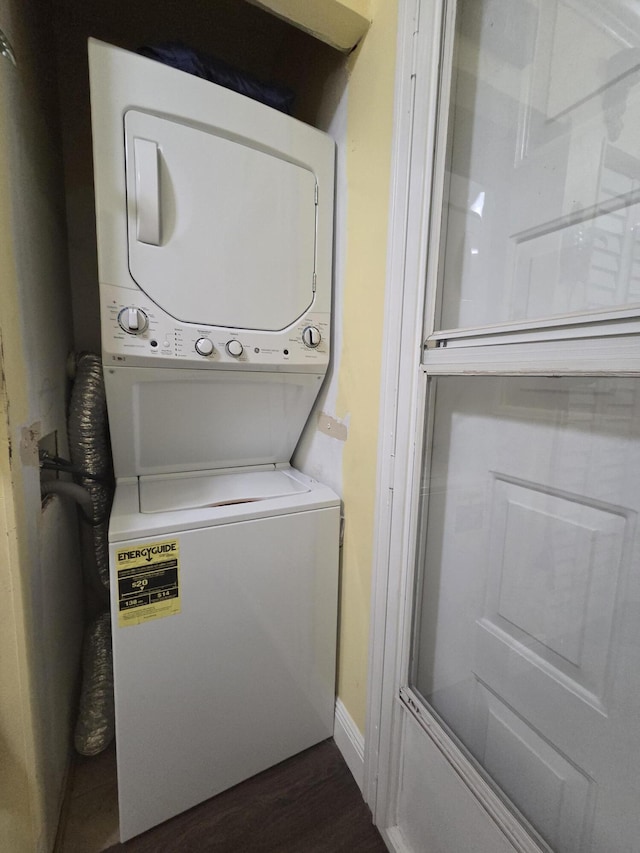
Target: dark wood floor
308 804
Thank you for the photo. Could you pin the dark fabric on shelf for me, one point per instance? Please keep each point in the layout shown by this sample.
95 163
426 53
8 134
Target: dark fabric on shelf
216 71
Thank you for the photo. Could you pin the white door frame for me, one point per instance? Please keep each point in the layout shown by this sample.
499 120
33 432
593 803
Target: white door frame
390 717
416 90
419 50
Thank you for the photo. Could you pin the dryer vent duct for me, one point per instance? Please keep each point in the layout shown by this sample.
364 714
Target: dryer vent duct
90 454
96 718
89 448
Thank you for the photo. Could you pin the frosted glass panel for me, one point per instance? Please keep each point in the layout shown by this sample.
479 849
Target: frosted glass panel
542 204
527 641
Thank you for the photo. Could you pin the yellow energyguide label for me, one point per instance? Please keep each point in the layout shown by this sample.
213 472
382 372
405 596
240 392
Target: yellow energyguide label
148 581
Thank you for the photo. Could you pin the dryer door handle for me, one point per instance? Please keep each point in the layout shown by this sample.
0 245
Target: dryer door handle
147 191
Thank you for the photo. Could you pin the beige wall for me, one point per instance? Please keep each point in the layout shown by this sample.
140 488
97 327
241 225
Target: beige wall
353 101
369 134
40 607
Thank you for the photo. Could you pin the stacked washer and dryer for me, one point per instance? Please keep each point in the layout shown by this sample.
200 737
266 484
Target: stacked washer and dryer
214 227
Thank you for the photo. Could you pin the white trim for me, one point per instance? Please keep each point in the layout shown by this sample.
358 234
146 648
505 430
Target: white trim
568 325
403 115
378 704
443 81
418 54
394 840
523 840
590 356
350 741
590 331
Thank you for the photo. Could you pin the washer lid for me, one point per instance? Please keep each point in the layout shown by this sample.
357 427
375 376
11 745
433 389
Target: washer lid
167 420
220 233
191 491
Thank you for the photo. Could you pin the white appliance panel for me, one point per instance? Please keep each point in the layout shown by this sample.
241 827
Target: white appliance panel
191 211
166 342
220 231
214 221
164 421
241 678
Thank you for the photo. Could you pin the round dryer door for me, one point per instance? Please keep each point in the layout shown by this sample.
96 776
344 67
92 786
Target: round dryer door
220 233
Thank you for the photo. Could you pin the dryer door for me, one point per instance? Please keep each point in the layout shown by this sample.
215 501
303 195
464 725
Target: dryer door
219 233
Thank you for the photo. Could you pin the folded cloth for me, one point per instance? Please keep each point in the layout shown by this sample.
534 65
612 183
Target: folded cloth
210 68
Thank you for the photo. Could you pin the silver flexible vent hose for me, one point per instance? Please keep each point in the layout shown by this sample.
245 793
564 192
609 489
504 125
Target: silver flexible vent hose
89 450
96 718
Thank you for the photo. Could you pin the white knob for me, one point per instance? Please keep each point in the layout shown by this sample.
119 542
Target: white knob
235 348
311 336
133 321
204 346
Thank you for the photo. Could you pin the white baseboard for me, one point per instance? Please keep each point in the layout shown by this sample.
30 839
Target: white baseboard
350 741
394 840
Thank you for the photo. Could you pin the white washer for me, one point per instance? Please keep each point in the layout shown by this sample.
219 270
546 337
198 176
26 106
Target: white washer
243 676
214 223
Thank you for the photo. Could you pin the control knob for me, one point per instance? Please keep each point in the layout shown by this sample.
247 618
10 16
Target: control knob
133 321
235 348
204 346
311 336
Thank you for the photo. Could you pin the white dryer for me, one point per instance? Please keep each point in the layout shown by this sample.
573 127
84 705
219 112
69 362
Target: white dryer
214 223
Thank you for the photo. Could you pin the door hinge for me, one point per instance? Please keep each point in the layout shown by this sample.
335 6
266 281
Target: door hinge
6 50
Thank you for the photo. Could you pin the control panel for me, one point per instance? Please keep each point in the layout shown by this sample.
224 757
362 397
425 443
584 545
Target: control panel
136 332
